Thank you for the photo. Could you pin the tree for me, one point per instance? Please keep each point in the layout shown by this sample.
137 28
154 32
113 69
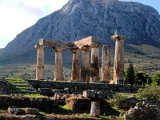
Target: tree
156 79
142 78
130 76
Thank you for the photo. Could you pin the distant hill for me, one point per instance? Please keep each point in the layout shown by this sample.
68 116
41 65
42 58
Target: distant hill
82 18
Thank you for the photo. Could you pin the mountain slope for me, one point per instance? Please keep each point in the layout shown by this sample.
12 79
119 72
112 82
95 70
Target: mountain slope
81 18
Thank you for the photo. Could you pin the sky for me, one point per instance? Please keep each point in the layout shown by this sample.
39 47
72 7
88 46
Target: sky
17 15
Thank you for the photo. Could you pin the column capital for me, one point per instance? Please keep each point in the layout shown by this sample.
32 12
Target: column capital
58 49
95 46
85 48
74 50
117 37
38 46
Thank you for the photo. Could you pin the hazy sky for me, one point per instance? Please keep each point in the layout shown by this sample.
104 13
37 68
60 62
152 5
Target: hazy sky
17 15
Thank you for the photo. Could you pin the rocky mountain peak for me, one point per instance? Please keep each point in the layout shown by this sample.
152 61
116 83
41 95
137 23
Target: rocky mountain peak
82 18
74 4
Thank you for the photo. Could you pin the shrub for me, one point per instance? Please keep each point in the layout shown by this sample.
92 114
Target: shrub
150 93
142 78
116 100
156 79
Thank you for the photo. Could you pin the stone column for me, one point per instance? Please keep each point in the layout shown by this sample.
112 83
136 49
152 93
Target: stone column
85 64
106 64
40 62
95 109
75 64
58 68
118 59
94 68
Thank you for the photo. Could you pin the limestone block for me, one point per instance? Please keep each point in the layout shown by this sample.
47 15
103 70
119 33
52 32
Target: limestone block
31 111
89 94
79 105
95 110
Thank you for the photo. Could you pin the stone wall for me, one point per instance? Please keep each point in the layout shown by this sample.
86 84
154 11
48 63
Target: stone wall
77 87
43 104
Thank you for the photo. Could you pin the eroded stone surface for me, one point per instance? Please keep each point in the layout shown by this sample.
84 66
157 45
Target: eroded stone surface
85 70
94 68
58 68
40 62
106 64
118 59
75 64
89 70
95 110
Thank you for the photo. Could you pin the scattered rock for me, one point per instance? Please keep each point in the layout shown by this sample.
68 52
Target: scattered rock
67 91
104 94
89 94
31 111
79 105
127 103
143 112
46 92
95 109
23 117
15 111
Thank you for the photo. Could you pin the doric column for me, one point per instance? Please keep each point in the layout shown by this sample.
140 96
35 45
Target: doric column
75 64
94 68
106 64
58 68
118 59
40 62
85 64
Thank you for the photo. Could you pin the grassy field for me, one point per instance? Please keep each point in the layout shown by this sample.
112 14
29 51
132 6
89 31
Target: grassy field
28 71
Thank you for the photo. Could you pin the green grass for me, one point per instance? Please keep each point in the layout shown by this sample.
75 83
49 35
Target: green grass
3 111
18 85
65 107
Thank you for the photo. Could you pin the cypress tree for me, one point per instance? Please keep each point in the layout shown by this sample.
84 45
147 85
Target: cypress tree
130 76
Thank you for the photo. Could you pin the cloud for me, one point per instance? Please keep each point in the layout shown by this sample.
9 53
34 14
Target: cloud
17 15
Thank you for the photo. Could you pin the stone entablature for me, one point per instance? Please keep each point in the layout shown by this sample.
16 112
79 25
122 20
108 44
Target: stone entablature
89 48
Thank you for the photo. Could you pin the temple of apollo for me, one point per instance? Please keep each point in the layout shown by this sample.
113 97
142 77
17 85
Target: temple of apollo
87 64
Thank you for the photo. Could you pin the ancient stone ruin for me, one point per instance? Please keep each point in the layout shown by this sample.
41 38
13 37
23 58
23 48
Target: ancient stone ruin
87 69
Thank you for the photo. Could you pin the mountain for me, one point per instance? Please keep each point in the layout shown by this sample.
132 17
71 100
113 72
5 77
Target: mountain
82 18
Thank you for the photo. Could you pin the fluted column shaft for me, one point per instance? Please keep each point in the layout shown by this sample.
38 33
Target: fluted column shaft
118 59
40 62
85 65
94 68
75 65
106 64
58 68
